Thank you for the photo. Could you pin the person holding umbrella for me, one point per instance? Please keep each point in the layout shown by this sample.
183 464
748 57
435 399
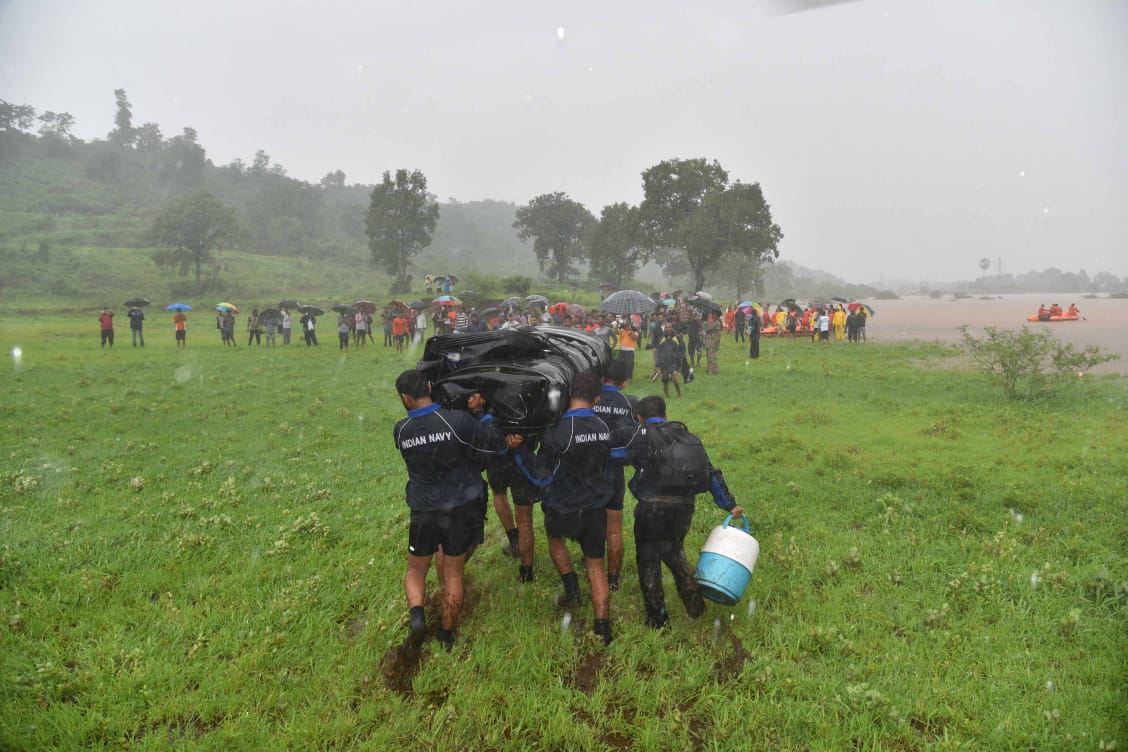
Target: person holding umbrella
308 328
229 327
106 321
136 317
180 326
287 326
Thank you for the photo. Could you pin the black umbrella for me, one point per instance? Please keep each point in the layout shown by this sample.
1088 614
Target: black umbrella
513 303
289 305
137 302
311 309
343 308
419 305
837 299
703 301
627 302
270 314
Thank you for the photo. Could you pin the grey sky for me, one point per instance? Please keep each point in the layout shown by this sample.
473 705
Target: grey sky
904 138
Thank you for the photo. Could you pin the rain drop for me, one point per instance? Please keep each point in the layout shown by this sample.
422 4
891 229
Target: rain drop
1045 211
17 356
751 607
182 374
566 622
560 33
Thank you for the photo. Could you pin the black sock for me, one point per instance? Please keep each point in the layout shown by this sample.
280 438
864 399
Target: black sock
418 618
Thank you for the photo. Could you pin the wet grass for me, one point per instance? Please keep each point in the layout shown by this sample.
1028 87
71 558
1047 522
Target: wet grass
204 549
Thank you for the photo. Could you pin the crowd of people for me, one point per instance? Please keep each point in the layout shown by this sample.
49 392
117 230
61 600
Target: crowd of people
818 321
576 470
693 331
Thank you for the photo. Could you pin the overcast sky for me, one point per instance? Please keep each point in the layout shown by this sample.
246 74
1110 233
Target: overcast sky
901 139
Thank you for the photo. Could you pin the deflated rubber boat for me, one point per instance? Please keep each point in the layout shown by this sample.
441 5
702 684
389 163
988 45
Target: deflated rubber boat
523 372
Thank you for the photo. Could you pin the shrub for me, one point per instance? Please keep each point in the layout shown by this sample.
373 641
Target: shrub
517 285
486 285
1029 364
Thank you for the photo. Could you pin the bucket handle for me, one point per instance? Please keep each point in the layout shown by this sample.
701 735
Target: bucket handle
743 523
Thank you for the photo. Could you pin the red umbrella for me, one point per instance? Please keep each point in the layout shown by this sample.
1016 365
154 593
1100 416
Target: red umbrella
558 308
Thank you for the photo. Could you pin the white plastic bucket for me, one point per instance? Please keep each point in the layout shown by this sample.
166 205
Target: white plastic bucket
726 562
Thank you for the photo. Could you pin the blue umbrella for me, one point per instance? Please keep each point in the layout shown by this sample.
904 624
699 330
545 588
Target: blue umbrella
179 307
446 300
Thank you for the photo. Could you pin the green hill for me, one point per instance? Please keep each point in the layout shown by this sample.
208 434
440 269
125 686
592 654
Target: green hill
70 212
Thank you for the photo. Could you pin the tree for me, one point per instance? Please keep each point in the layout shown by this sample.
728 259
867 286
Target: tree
17 118
616 244
333 180
191 227
399 223
558 226
57 126
733 223
689 211
183 164
672 191
123 133
149 136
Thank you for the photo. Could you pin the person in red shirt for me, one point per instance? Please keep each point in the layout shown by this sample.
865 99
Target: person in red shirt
399 329
180 321
107 322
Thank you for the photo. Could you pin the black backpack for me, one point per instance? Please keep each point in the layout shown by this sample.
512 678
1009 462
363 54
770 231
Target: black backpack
676 463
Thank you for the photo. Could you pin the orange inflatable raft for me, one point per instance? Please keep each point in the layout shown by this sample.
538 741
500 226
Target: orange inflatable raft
1060 317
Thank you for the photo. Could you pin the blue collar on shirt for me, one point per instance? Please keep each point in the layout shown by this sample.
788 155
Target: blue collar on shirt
611 388
655 419
579 411
419 412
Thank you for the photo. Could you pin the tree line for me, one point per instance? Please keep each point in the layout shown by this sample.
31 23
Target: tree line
693 222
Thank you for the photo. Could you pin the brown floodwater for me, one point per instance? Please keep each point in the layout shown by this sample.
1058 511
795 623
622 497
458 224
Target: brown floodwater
1105 321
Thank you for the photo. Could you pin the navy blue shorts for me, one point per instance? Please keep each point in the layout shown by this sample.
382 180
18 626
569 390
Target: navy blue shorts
587 527
456 530
504 475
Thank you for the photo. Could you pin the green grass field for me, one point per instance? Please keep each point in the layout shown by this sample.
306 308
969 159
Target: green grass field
204 549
